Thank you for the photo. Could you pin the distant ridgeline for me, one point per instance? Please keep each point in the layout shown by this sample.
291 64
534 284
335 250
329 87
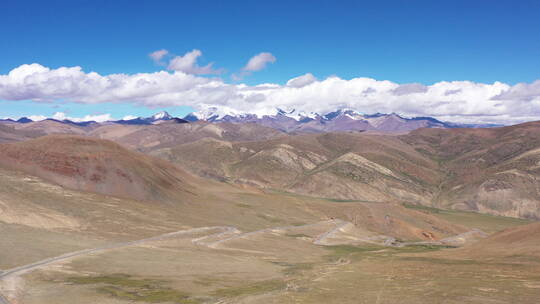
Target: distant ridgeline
290 121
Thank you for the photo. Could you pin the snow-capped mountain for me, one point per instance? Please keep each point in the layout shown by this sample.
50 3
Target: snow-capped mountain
157 118
163 115
344 119
212 114
287 120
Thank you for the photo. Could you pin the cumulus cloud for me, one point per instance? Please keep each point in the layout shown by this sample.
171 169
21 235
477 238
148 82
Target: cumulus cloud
188 64
39 83
255 63
521 91
129 117
410 88
98 118
64 116
158 55
460 101
259 62
37 117
301 81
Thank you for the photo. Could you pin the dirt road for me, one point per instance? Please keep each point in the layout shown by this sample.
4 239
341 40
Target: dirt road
30 267
224 234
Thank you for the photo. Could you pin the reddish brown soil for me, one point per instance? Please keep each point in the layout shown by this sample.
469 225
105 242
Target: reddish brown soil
96 165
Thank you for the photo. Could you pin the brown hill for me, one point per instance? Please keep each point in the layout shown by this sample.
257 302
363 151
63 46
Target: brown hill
149 137
488 170
51 126
491 171
10 134
89 164
518 242
334 165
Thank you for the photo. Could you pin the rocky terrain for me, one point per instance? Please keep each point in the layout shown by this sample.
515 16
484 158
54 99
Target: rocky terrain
282 121
487 170
167 211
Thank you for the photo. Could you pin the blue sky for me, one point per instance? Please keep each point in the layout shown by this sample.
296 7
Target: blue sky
402 41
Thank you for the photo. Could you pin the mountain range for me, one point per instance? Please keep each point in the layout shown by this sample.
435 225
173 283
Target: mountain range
217 210
288 121
488 170
344 119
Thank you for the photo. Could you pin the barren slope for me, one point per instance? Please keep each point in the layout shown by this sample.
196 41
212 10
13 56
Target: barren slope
10 134
52 126
522 242
276 248
333 165
149 137
488 170
89 164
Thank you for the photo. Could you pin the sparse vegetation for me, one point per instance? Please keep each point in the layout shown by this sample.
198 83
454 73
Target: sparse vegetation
269 218
423 208
125 287
251 289
336 200
298 235
294 268
39 220
242 205
352 252
359 252
485 222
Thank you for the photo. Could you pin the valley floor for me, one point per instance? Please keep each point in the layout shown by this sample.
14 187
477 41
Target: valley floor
321 262
230 244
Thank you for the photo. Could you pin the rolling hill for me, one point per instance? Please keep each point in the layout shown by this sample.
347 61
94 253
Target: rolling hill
490 170
487 170
94 165
115 225
335 165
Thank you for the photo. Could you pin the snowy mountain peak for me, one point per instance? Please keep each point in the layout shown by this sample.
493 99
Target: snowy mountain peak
344 112
342 119
283 112
163 115
297 115
287 120
212 113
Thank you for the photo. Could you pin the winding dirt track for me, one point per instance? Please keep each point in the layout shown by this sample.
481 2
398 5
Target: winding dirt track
30 267
225 234
225 231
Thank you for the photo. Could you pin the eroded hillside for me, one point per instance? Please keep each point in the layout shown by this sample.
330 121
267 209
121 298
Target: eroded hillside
492 171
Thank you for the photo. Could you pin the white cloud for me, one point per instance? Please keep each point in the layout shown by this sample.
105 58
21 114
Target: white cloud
98 118
259 61
129 117
410 88
36 82
63 116
302 81
37 117
188 64
460 101
158 55
522 91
